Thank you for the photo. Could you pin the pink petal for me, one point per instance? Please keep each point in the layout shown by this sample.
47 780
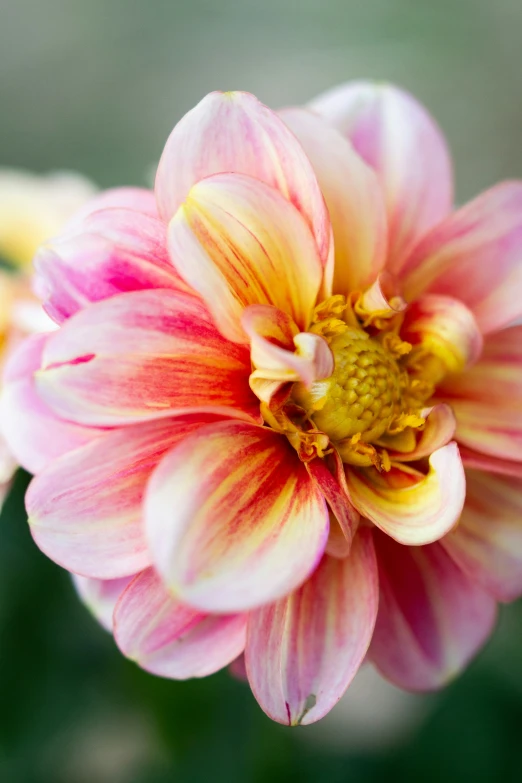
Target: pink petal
395 135
85 510
234 132
474 255
144 355
35 435
408 506
137 199
432 619
238 242
353 197
335 492
303 651
170 639
101 595
233 519
487 544
474 459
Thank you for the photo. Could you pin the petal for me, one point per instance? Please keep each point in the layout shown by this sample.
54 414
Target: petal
432 619
238 242
85 510
474 255
353 197
233 519
445 328
438 431
101 595
303 651
143 355
35 435
335 492
409 507
474 459
138 199
170 639
111 251
395 135
234 132
487 544
487 399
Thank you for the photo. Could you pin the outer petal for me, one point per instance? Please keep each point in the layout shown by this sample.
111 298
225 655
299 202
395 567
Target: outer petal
432 619
487 399
303 651
111 251
144 355
233 519
234 132
474 459
395 135
487 544
238 242
35 435
353 197
170 639
409 507
138 199
85 510
475 256
101 595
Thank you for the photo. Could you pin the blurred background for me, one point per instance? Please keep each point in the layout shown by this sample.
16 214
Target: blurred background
96 85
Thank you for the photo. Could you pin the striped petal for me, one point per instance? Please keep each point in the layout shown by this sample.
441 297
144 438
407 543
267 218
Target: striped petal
234 132
432 619
170 639
303 651
475 256
238 242
336 494
100 596
395 135
408 506
140 356
353 197
487 399
35 435
487 544
85 510
474 459
233 520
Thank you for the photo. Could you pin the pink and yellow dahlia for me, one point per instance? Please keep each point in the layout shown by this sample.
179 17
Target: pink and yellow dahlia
244 431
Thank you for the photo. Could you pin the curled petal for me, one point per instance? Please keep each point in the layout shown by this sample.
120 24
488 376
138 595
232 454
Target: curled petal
381 299
303 651
238 242
395 135
34 434
444 327
85 509
474 255
170 639
140 356
409 507
232 518
101 595
353 197
234 132
438 431
432 619
487 544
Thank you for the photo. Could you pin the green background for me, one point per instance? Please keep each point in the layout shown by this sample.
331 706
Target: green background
97 86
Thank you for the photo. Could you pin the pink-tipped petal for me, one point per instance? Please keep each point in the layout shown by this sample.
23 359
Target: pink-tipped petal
170 639
487 544
303 651
474 256
85 510
100 596
395 135
144 355
137 199
234 132
35 435
353 197
233 519
408 506
238 242
432 619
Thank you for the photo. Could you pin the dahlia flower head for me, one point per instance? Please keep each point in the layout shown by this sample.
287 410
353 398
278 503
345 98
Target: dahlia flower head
281 415
32 208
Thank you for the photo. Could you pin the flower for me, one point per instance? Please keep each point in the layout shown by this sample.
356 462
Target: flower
32 209
244 431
